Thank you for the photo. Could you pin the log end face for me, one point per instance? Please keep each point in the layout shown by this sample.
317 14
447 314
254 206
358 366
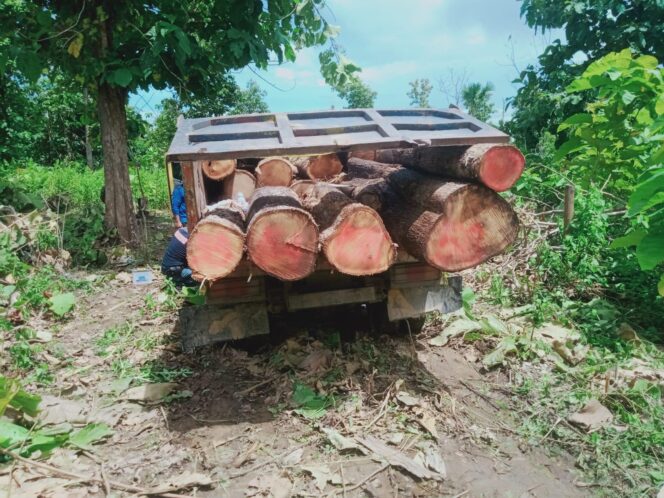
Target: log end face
324 167
283 242
501 167
472 230
274 172
219 169
214 249
358 243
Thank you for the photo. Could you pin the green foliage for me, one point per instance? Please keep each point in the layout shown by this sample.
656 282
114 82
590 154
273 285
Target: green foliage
419 93
61 304
11 394
356 93
477 100
310 404
593 29
620 138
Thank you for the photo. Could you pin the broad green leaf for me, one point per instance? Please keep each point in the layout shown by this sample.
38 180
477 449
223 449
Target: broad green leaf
572 145
456 328
61 304
10 434
493 325
121 77
631 239
497 356
647 61
578 118
643 117
89 434
45 444
579 85
659 106
75 46
660 286
644 192
650 251
310 404
627 97
17 398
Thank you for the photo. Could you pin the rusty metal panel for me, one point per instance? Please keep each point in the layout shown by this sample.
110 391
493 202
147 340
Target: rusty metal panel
412 302
319 132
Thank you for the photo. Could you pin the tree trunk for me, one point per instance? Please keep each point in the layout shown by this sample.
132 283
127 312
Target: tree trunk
282 238
323 167
240 181
498 166
450 225
275 172
113 120
219 169
353 237
88 145
216 244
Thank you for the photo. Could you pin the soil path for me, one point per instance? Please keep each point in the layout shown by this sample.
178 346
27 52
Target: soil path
246 420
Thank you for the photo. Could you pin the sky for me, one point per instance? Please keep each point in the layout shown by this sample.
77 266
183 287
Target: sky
397 41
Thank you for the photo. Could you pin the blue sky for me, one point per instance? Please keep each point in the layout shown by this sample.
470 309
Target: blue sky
396 41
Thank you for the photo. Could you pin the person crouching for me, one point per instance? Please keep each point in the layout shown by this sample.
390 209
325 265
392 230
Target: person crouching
174 264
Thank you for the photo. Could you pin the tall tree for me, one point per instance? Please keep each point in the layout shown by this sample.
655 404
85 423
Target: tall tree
592 30
356 93
419 93
250 100
115 47
477 100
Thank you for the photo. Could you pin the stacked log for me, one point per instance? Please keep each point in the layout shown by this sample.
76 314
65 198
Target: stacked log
438 203
216 244
219 169
282 238
353 236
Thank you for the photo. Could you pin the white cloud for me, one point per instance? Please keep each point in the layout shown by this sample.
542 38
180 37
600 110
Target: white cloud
389 70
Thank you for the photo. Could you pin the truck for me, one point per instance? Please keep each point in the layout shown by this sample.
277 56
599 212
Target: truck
248 301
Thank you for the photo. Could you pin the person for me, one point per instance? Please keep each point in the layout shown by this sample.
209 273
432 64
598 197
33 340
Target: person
174 263
178 204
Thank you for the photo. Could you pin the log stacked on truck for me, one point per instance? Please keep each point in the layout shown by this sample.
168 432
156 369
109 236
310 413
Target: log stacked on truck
438 203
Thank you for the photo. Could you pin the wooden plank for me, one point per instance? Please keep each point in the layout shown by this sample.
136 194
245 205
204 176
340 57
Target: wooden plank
333 298
190 194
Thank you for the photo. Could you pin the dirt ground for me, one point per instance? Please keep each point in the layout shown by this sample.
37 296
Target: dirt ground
234 424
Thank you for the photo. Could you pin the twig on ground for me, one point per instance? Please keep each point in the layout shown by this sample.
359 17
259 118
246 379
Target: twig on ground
256 386
89 479
476 392
107 486
266 462
463 493
382 408
366 479
343 480
211 421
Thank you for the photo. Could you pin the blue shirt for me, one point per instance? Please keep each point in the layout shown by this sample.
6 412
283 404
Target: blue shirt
178 204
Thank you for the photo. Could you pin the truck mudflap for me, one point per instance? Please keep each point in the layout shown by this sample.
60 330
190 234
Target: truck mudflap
210 323
412 302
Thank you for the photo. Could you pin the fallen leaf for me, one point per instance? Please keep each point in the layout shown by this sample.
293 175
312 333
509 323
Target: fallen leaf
396 438
322 475
497 356
341 442
89 434
58 410
294 457
181 482
628 334
429 423
273 486
383 453
594 415
150 392
434 461
550 332
455 329
408 399
317 360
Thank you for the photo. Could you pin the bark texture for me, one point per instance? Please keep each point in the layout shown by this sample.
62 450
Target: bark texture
216 244
498 166
323 167
451 225
119 213
282 238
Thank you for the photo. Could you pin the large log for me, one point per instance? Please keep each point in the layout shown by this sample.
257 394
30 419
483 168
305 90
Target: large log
321 167
240 181
219 169
216 244
498 166
450 225
282 238
353 236
275 172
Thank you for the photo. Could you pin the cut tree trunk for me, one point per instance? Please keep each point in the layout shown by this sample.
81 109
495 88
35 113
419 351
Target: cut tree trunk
119 213
216 244
282 238
240 181
498 166
321 167
219 169
300 187
450 225
353 237
275 172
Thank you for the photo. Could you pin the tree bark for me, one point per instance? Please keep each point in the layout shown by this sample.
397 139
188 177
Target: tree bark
353 237
282 238
275 172
88 145
216 244
113 120
450 225
498 166
323 167
219 169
